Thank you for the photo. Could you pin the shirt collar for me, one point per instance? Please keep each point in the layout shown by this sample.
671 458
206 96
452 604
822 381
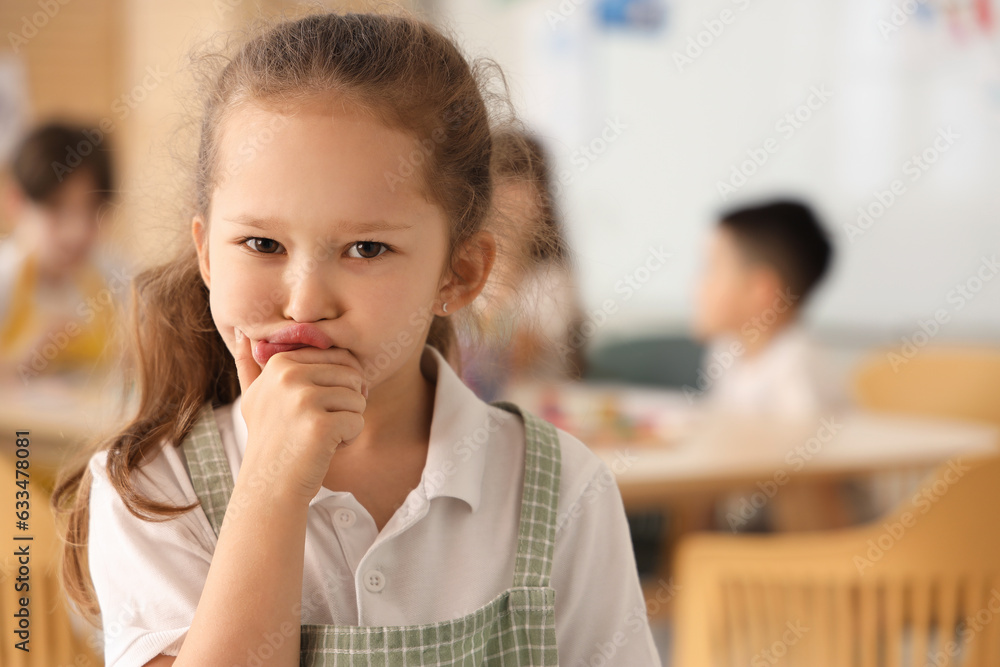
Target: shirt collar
461 425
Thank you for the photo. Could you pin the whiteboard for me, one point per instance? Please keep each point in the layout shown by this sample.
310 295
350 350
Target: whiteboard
849 100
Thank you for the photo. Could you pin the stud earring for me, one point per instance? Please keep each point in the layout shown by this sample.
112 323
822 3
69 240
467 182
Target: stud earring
444 306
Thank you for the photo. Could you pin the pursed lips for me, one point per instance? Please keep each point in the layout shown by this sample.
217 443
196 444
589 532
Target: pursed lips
291 337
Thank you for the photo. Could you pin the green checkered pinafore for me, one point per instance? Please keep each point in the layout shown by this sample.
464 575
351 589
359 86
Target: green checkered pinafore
515 629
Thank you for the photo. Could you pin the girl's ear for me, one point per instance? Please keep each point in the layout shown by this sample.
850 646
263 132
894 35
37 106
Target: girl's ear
469 270
200 233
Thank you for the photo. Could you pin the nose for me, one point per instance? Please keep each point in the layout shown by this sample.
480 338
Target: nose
309 294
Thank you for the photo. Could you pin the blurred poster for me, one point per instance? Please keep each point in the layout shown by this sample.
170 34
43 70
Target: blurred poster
562 69
640 15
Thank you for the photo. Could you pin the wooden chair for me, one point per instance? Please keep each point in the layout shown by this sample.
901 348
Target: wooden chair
52 639
959 383
919 587
866 595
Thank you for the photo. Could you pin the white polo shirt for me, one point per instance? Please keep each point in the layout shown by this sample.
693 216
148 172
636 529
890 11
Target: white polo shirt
447 551
792 376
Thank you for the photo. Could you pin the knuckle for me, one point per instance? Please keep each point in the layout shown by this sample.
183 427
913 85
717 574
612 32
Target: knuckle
352 424
284 371
354 380
302 398
350 399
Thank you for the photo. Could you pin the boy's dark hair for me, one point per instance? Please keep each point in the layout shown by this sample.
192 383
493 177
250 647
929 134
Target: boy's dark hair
52 152
786 235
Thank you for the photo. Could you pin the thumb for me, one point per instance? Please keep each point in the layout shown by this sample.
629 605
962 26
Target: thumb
246 366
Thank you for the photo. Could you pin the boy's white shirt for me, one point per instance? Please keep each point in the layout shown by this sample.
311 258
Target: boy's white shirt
447 551
790 376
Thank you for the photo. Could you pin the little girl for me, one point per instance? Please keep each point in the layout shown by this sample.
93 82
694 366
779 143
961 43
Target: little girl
307 480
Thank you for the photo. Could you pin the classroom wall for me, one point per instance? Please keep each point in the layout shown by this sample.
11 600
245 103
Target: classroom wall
678 128
62 61
667 134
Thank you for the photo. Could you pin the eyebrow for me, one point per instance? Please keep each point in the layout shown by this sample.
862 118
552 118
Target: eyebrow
359 227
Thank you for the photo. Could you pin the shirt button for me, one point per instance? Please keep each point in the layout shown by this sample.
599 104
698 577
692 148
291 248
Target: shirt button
374 581
344 518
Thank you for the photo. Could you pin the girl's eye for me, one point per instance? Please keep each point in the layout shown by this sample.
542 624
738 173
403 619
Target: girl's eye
261 245
367 249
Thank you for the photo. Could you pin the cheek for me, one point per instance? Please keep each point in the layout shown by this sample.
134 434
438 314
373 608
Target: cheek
729 292
224 308
394 313
239 297
401 305
720 297
712 290
737 301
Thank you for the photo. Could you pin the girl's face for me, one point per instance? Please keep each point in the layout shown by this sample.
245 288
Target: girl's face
319 217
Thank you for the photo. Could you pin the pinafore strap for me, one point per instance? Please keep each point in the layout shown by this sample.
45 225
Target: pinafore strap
539 500
208 466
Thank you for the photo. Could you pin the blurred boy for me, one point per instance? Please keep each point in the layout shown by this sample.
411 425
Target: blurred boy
56 292
763 264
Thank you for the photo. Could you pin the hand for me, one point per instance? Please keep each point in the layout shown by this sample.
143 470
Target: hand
298 409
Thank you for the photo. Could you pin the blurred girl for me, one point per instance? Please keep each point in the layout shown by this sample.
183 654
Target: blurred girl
531 313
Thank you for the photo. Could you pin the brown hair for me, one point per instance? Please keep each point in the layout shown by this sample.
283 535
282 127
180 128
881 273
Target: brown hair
396 67
51 152
522 156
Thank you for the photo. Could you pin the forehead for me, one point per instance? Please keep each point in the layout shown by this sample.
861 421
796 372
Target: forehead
724 247
307 159
722 240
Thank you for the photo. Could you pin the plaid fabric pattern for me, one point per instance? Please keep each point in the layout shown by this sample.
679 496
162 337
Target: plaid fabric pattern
208 467
515 629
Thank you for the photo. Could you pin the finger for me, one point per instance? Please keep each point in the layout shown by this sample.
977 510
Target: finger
332 375
352 430
246 366
341 399
332 355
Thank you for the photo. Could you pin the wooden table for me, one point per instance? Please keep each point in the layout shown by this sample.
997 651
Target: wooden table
683 460
687 451
62 414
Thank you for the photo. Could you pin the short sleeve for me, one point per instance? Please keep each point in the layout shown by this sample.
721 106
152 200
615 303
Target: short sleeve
600 609
148 575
